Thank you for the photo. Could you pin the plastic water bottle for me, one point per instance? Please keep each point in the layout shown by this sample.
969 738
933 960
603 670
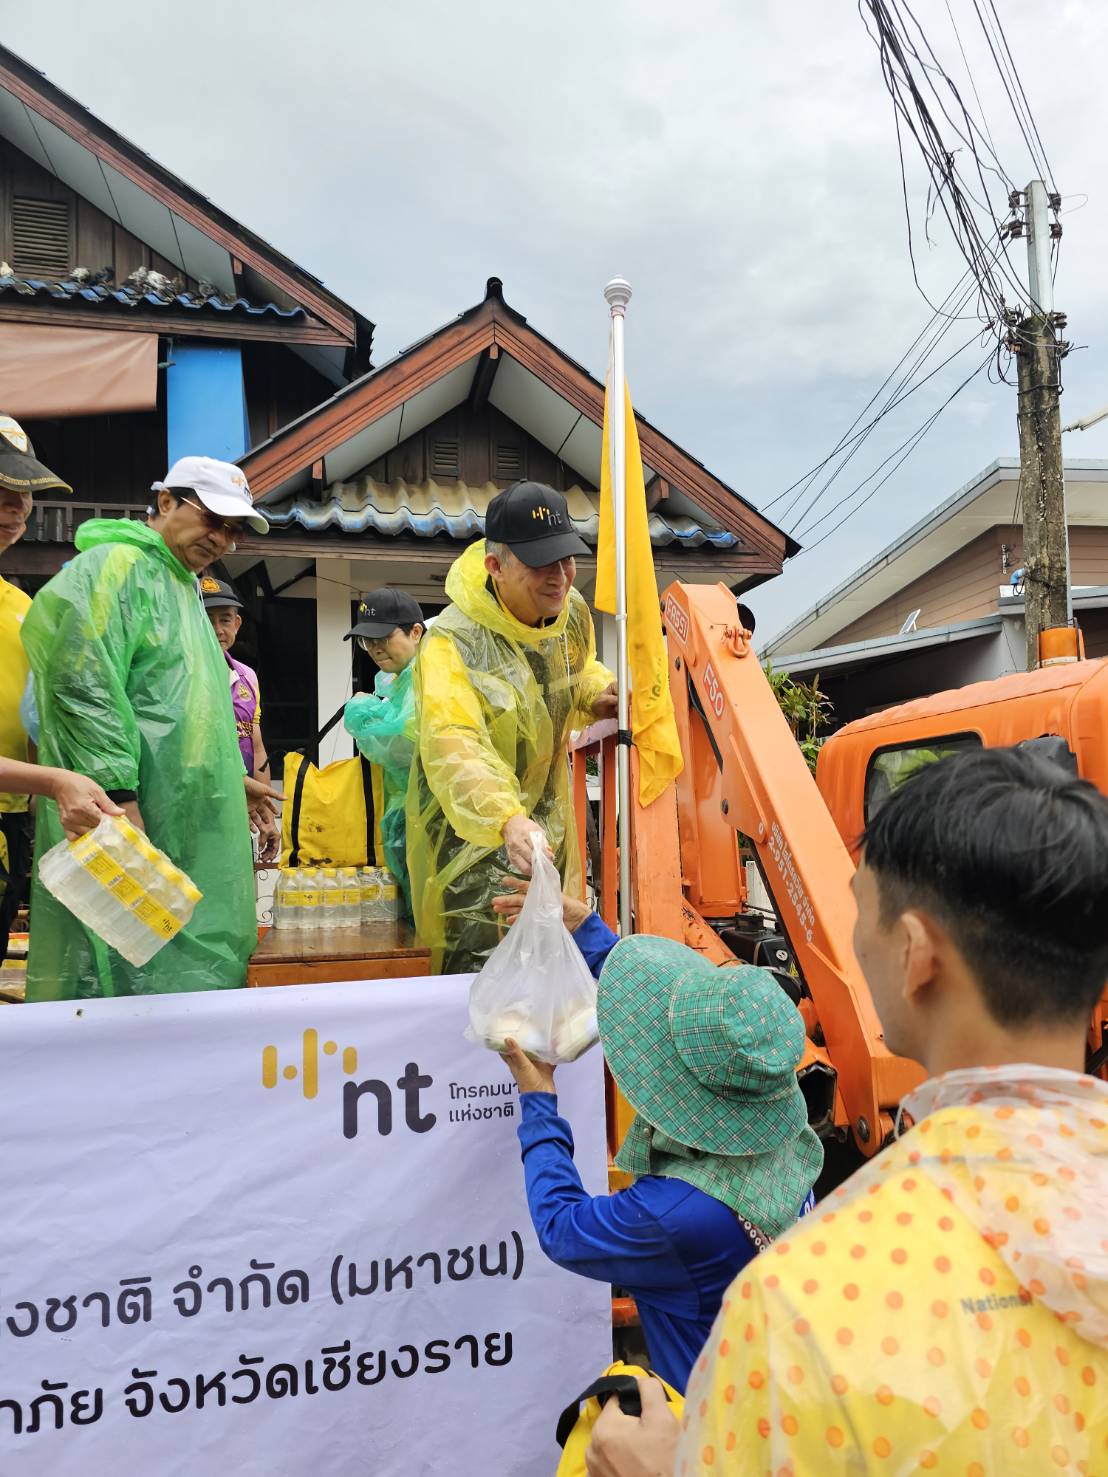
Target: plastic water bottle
390 897
329 899
280 901
288 899
311 899
371 894
350 898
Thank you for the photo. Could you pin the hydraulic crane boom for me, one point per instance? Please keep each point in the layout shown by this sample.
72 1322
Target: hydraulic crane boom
745 775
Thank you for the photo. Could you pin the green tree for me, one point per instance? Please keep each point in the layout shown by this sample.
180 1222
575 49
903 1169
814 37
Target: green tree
807 709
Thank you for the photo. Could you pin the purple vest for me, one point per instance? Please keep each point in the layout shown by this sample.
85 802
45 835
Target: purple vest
244 697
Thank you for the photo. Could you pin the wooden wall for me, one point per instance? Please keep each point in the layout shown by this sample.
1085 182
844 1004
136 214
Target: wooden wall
959 589
474 447
966 585
97 240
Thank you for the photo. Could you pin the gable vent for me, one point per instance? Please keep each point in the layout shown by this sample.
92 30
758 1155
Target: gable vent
40 237
446 458
509 462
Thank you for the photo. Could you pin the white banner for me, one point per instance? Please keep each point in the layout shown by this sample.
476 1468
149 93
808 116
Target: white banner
280 1233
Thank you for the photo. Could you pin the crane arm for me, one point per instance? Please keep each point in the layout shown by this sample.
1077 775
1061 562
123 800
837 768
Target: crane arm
745 774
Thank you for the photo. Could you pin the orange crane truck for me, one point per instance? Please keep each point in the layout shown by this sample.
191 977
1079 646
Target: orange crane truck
746 792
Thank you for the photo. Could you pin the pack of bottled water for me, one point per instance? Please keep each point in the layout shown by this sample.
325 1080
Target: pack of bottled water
327 898
119 884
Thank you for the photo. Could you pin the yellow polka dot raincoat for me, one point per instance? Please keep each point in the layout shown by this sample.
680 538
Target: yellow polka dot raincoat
946 1310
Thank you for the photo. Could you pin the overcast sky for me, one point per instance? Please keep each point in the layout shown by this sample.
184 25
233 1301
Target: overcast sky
736 162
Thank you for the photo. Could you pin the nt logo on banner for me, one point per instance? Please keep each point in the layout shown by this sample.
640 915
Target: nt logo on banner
410 1084
281 1233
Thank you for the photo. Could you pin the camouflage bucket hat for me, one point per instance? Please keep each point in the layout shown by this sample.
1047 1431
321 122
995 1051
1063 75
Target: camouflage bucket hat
706 1054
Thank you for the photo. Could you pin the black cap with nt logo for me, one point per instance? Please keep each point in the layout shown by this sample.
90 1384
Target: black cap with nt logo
381 611
533 520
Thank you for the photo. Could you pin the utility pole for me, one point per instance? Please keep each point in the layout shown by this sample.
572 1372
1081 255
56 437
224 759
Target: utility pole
1047 598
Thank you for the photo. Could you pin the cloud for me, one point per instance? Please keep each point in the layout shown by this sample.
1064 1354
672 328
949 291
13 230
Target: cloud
737 163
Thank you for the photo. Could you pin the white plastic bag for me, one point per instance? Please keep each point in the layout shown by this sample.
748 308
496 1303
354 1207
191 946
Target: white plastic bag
535 986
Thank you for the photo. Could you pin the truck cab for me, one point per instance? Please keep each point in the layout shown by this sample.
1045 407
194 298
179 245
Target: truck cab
1062 711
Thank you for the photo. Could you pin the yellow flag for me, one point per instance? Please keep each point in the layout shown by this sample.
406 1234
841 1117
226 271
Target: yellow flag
652 721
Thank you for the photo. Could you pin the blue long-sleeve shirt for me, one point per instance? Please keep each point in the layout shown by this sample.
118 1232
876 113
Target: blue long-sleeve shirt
596 941
674 1248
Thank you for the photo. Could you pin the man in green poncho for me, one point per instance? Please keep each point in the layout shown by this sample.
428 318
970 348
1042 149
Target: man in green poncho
132 691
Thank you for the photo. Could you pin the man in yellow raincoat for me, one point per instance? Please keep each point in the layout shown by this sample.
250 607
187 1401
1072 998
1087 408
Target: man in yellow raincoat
947 1308
503 676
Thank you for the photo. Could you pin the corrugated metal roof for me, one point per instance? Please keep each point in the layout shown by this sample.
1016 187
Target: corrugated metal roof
139 295
363 505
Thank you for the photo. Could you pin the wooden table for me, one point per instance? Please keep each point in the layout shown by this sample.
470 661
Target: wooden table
374 951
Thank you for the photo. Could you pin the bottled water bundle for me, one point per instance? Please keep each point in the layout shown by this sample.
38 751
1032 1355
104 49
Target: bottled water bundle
117 882
326 898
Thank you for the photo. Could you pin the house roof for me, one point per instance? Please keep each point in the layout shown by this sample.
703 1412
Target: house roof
181 225
491 354
986 502
855 654
138 296
457 510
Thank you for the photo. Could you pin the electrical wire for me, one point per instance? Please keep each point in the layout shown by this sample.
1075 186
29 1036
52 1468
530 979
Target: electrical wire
1047 172
910 67
906 448
860 442
848 437
973 84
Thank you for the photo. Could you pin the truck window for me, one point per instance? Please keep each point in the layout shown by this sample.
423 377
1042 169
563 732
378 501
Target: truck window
889 768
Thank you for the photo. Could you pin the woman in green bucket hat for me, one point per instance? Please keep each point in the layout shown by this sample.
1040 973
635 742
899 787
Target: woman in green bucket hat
720 1147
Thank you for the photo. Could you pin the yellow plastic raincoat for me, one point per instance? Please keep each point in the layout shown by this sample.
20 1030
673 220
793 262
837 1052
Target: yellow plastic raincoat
945 1310
497 701
132 690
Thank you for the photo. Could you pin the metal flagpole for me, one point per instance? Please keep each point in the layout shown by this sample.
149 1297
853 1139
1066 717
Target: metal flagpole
618 295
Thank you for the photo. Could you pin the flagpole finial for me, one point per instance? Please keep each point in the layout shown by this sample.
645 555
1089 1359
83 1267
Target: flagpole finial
618 294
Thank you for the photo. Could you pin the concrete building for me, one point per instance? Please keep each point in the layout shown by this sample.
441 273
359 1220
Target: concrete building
943 606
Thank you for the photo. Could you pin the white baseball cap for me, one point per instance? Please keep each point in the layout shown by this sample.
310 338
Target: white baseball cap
220 486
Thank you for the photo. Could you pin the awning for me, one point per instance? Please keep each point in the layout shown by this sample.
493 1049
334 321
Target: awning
363 505
861 653
64 372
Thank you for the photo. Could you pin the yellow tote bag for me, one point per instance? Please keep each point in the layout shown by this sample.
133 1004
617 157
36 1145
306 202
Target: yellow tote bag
331 816
577 1420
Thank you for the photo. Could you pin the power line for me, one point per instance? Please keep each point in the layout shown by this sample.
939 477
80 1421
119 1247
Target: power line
847 436
973 84
1047 172
814 503
892 25
906 448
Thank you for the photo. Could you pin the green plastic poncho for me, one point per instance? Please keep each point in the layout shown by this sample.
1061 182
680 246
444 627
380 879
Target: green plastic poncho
497 701
132 691
383 724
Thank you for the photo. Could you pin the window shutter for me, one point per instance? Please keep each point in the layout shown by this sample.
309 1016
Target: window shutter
508 465
446 460
41 237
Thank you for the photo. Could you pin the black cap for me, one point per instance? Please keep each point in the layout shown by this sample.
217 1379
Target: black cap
20 469
533 520
216 594
381 611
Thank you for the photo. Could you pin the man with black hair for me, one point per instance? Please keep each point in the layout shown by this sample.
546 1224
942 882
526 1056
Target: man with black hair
947 1308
